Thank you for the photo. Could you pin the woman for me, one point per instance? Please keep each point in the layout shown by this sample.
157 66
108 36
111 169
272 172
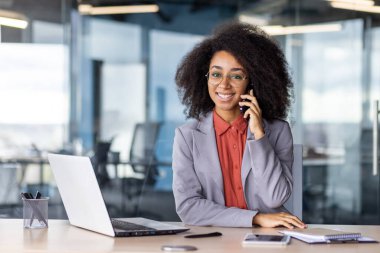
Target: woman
233 168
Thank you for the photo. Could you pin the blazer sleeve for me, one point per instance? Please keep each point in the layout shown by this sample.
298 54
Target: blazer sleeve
272 161
191 205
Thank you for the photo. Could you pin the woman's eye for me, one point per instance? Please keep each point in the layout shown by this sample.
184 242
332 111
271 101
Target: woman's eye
236 77
216 75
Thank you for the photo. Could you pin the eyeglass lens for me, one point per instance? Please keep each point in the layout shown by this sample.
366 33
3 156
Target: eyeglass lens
235 78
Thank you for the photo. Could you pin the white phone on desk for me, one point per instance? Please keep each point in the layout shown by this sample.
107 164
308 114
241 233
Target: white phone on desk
265 240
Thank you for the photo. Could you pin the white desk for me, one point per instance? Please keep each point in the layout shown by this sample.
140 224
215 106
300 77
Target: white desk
61 237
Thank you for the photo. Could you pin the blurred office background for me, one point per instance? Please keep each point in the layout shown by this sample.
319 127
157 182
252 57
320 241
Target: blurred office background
75 82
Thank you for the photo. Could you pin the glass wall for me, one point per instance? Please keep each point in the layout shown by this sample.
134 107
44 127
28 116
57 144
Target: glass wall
109 93
330 121
34 99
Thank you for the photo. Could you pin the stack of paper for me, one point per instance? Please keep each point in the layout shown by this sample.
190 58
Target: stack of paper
322 235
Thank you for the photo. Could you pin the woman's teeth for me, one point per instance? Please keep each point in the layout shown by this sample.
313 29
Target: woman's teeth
224 96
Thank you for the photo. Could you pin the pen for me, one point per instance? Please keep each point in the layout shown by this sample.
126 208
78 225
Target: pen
204 235
27 195
38 196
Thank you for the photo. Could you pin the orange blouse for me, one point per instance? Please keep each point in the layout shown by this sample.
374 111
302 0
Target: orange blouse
230 140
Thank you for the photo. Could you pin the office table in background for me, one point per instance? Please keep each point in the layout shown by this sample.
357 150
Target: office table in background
61 237
24 162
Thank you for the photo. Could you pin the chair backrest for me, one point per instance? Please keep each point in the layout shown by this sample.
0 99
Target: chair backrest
101 151
144 141
142 154
99 161
294 203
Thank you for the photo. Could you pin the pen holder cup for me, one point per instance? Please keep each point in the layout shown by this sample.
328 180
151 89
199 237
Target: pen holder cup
35 213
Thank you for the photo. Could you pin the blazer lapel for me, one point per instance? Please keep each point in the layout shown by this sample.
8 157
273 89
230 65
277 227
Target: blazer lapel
246 164
204 139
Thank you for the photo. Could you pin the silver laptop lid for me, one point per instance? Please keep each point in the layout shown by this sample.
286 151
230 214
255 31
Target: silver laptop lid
80 193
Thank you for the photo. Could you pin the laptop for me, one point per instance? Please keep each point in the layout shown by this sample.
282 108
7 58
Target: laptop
85 206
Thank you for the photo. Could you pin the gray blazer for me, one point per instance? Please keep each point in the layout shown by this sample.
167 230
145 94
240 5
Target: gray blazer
198 182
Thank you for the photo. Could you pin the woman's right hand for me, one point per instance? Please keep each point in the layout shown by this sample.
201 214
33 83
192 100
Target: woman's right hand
271 220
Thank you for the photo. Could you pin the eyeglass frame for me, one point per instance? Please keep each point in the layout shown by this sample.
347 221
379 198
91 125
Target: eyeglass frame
221 80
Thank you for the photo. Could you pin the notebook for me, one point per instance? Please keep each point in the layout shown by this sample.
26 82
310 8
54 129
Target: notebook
84 204
323 235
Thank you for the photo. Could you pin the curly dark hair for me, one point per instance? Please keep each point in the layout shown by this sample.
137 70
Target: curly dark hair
260 55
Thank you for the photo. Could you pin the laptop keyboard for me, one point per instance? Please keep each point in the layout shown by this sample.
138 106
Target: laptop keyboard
124 225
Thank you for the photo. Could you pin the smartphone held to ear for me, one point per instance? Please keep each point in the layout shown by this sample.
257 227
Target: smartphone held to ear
244 107
265 240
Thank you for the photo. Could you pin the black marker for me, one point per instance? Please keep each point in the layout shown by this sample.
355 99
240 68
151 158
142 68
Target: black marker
214 234
38 195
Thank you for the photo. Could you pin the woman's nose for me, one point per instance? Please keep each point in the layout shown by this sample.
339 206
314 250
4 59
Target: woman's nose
225 82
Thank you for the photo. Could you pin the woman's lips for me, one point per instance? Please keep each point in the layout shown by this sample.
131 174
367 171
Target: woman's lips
225 97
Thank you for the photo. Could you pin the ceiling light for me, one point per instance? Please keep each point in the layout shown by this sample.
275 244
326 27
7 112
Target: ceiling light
355 2
355 7
13 19
254 19
284 30
87 9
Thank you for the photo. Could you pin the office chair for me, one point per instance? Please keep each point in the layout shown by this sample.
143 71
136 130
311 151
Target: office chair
142 153
99 162
143 162
294 203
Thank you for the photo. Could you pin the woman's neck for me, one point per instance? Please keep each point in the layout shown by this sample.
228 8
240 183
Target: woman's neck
228 116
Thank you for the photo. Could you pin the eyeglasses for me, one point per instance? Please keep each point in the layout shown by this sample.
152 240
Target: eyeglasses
236 79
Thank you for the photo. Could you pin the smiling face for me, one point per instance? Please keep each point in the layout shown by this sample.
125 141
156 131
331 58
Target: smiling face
226 95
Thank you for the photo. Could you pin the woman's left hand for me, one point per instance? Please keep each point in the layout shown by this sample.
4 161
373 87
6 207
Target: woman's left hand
254 114
271 220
